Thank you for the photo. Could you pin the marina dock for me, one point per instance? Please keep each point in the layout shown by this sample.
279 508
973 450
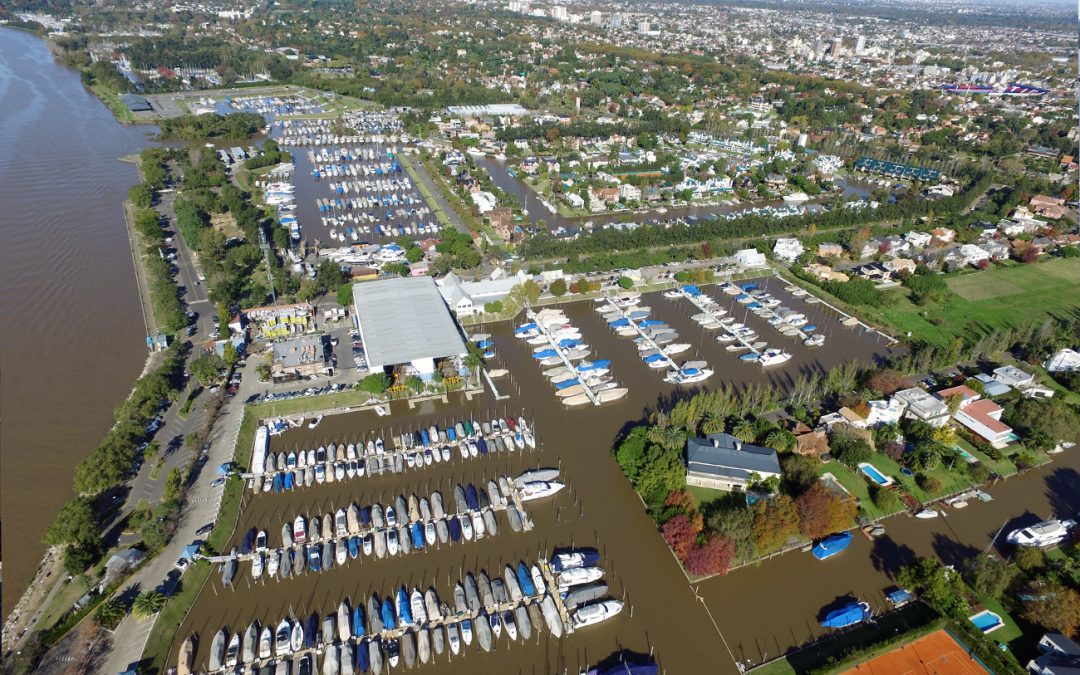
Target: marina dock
644 336
585 388
707 310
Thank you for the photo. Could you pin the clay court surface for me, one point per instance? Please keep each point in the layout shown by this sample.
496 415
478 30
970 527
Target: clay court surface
935 654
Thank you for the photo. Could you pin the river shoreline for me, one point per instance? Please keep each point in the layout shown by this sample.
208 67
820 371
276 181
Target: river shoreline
48 575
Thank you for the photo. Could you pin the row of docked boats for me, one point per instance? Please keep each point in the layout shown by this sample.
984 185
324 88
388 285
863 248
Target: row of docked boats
399 528
656 341
737 337
789 322
285 471
280 195
371 128
414 626
558 347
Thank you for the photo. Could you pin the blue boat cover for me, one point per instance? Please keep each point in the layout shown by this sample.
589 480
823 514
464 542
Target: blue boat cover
482 445
585 367
388 618
470 497
455 528
654 358
363 659
649 323
358 628
845 616
417 536
619 322
831 545
525 579
404 612
547 353
566 384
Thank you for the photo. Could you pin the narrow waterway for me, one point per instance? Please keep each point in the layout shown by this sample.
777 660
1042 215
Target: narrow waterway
73 339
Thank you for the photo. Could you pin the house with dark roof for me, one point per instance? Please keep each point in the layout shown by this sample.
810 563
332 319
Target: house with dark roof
1058 655
723 462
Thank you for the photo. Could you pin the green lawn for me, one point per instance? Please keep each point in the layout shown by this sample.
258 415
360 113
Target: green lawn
703 496
1007 633
856 485
777 667
997 297
1002 468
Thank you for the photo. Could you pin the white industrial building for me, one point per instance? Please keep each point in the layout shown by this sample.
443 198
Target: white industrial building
405 322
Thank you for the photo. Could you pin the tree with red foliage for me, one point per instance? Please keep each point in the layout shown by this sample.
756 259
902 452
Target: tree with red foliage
680 499
775 522
822 513
706 251
1030 254
886 381
713 557
680 535
894 450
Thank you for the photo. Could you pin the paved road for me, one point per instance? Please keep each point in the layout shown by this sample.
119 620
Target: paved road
201 508
429 184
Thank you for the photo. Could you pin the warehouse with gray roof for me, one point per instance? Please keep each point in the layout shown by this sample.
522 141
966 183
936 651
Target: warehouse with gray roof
405 322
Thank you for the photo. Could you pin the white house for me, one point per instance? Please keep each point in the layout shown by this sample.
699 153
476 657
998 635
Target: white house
1065 361
918 239
920 405
629 193
723 462
983 417
788 249
749 257
973 255
884 412
575 201
465 298
1013 376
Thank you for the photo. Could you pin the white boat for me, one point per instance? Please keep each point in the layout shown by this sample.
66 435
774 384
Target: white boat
232 652
1044 534
539 489
612 394
315 422
596 612
577 576
796 198
773 357
283 638
257 566
452 637
688 375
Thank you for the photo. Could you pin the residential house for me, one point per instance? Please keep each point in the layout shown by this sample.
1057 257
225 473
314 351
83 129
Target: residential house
575 201
1013 377
875 272
825 273
1058 655
921 405
466 298
900 266
830 250
776 181
882 412
980 415
629 193
723 462
787 249
918 239
502 221
300 358
1048 207
944 234
1064 361
812 443
992 387
974 255
995 249
606 194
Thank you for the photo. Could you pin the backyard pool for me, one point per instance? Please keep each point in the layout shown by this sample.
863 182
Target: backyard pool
986 621
970 458
873 474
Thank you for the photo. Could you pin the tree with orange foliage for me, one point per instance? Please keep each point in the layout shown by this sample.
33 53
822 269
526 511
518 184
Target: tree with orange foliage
821 513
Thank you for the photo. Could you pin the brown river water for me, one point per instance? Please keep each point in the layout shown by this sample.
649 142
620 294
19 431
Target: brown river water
73 339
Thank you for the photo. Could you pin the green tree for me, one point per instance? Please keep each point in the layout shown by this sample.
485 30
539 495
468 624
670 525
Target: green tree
744 431
940 588
849 448
1056 609
631 454
109 614
626 282
345 294
375 383
1030 559
531 290
989 575
558 288
147 604
207 368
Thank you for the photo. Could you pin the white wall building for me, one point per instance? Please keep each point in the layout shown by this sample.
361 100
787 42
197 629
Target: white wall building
749 257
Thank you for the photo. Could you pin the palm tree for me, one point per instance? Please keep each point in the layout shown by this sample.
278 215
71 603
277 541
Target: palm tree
779 440
667 437
109 614
744 431
147 604
712 424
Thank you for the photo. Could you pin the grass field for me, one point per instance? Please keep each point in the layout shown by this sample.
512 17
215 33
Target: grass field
997 297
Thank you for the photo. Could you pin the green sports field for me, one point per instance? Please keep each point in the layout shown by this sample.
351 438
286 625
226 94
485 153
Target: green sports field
1000 296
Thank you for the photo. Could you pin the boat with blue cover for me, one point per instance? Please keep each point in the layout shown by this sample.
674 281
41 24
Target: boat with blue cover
417 536
525 580
403 610
544 354
831 545
566 384
849 615
388 618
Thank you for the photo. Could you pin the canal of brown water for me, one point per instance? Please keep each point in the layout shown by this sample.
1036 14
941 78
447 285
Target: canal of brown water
760 611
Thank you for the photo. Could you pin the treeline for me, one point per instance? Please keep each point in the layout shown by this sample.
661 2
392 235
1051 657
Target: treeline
606 241
234 127
164 294
585 129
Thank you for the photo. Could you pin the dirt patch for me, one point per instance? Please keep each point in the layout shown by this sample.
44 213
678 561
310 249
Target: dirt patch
226 224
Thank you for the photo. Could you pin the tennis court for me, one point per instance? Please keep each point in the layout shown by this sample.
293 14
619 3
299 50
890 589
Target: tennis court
935 654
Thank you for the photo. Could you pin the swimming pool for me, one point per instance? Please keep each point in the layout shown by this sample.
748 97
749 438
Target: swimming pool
873 474
971 459
834 485
986 621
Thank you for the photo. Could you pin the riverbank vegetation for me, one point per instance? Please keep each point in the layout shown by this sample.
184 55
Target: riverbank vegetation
238 126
